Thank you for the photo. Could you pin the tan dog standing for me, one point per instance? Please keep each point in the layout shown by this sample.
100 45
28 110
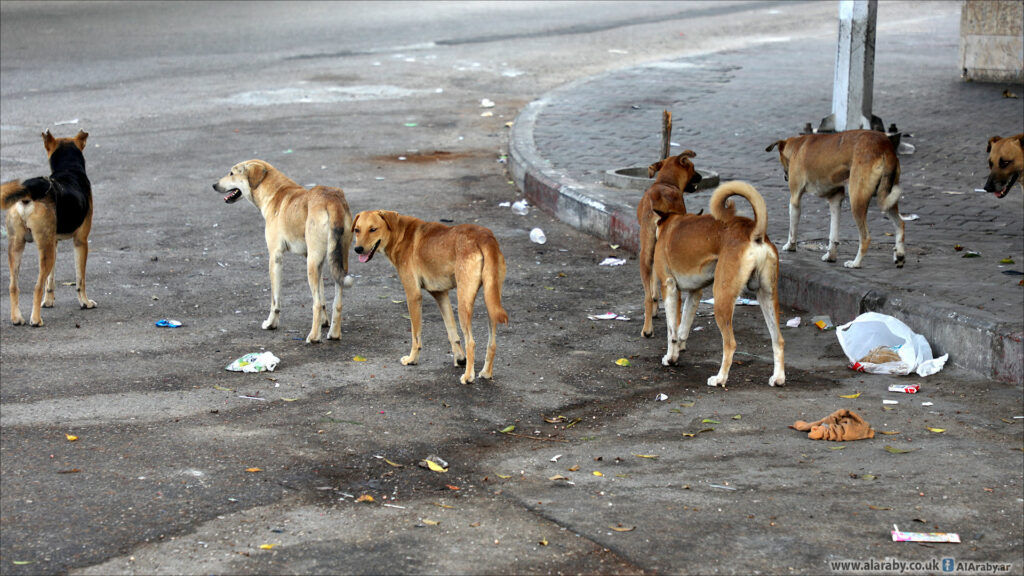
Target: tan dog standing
436 258
727 252
1005 164
673 176
316 223
863 162
45 210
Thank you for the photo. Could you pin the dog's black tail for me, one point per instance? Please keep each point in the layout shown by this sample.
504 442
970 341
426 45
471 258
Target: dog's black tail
339 240
15 191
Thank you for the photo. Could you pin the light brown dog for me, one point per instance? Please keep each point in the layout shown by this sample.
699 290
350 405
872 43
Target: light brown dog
863 162
728 252
315 223
673 176
437 258
46 210
1005 164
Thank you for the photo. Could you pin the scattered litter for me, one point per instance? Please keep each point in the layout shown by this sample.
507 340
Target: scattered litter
254 362
851 396
487 114
722 486
840 426
394 506
165 323
895 450
890 401
909 217
365 498
485 103
882 354
612 261
597 473
905 148
1013 272
958 248
537 236
267 546
617 51
359 359
411 124
1008 94
434 463
871 330
1007 261
927 403
607 316
739 302
822 322
936 430
971 254
905 388
661 397
251 397
71 437
66 122
556 457
623 362
521 208
288 151
950 537
793 322
504 204
648 456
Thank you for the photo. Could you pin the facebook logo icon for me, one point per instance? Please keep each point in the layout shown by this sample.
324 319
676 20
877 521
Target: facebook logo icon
948 564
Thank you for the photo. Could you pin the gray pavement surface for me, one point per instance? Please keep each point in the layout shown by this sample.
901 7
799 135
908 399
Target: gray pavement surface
729 106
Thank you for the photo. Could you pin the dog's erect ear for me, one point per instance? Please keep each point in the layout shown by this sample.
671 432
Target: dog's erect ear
686 154
780 143
49 142
80 139
1020 139
653 168
256 173
992 141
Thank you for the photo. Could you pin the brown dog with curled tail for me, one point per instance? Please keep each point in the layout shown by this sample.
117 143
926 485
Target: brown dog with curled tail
840 426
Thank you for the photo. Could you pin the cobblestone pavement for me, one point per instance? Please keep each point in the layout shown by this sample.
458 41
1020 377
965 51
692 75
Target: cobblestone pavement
729 106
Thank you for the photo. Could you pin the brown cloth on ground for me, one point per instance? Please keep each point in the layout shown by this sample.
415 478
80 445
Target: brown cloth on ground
841 426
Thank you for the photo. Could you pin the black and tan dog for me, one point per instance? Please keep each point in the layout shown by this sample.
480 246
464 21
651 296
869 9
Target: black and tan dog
1005 164
728 252
863 162
315 223
433 257
673 176
44 210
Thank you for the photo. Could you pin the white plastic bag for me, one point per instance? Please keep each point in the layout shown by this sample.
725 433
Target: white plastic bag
871 330
254 362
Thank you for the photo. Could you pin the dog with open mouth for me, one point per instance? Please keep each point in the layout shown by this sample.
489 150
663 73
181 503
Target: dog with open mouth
1005 164
45 210
437 258
312 222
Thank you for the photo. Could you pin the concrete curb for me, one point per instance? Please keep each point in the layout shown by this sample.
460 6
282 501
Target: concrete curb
991 348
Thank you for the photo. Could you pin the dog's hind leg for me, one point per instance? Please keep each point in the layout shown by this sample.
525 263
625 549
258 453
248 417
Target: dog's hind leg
899 251
767 297
835 208
467 288
650 283
275 290
47 257
51 283
15 249
725 293
670 295
859 206
81 242
314 273
445 304
686 317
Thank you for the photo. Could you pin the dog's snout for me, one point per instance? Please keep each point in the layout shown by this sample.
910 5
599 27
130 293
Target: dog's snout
697 177
358 249
215 187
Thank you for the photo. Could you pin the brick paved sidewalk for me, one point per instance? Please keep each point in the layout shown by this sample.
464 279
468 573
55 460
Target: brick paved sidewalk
729 106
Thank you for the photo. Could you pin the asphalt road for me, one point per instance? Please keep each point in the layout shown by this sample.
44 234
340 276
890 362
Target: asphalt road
384 100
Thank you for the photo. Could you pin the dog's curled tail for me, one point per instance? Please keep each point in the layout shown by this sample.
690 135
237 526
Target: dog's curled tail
494 278
15 191
723 209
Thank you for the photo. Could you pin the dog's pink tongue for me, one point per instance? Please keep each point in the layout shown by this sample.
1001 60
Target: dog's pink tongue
364 258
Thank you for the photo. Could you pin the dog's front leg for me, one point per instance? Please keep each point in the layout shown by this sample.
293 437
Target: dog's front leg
794 220
670 295
15 248
47 259
414 300
687 316
275 290
835 207
445 304
860 216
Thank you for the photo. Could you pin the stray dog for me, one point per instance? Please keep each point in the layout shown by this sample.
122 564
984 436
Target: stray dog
45 210
728 252
675 175
864 161
437 258
316 223
1005 163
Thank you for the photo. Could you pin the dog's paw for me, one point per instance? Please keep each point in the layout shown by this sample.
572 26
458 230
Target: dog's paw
270 324
898 259
789 247
48 303
777 380
668 360
17 319
467 378
716 381
828 257
408 360
851 264
36 323
647 333
89 305
313 340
